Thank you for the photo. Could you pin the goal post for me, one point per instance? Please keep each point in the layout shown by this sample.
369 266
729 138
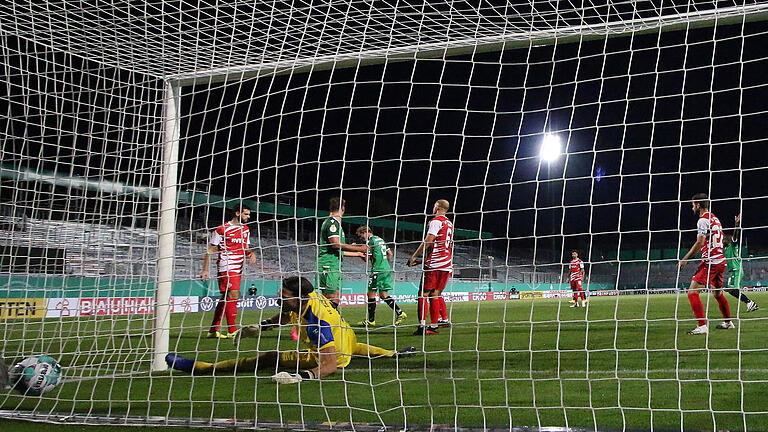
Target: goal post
134 136
166 240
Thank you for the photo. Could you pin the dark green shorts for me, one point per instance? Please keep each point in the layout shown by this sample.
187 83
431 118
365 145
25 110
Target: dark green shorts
329 280
380 282
734 279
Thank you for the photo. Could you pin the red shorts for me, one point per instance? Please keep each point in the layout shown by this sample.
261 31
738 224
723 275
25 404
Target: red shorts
576 285
435 280
711 275
229 283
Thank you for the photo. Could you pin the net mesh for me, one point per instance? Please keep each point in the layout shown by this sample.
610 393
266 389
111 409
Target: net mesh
391 106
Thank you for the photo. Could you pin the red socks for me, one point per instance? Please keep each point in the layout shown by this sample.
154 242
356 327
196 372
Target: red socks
724 308
434 309
231 312
217 316
443 308
422 306
698 308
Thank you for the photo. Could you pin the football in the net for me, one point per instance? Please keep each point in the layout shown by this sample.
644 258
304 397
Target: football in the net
35 375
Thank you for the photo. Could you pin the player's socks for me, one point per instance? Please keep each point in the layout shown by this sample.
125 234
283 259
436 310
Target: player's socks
217 317
422 310
180 363
434 309
230 310
725 309
443 308
391 303
372 309
698 308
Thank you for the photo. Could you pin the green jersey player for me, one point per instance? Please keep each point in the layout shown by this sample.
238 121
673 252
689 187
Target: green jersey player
380 277
735 272
332 250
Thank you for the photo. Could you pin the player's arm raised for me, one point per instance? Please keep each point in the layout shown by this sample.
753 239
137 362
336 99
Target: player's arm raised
423 248
209 252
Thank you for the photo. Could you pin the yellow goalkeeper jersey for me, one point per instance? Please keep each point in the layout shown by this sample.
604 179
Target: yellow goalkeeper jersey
322 326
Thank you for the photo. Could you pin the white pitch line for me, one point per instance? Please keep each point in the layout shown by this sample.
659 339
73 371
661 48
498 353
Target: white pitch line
567 371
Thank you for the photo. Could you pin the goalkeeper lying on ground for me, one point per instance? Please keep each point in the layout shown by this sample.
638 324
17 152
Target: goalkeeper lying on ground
332 342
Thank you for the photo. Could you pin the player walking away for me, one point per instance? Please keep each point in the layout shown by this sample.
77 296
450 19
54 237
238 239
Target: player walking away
732 253
380 279
438 266
709 239
231 240
333 248
577 279
332 343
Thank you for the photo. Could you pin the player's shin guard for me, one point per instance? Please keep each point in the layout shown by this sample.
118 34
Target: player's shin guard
372 309
698 308
724 307
230 309
217 316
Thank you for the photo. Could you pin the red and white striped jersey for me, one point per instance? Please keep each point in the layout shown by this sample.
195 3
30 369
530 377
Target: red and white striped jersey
712 251
441 256
233 241
577 265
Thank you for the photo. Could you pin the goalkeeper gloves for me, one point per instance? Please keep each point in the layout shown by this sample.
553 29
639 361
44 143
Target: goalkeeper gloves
289 378
267 324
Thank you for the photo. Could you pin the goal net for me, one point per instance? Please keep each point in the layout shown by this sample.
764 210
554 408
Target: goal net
131 134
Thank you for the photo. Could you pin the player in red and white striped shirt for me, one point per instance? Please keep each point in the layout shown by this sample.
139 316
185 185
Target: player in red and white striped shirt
709 239
438 266
231 241
577 279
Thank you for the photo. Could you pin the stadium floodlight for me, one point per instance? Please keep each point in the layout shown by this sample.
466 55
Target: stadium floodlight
550 148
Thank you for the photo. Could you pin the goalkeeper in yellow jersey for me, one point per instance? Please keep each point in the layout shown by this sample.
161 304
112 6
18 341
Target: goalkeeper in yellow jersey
332 342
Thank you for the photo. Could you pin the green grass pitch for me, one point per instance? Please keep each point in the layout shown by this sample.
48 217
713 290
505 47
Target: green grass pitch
624 362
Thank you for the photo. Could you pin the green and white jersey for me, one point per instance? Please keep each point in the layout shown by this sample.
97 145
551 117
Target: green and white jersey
732 254
326 252
378 255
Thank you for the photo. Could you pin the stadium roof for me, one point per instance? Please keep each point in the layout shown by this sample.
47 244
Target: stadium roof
197 198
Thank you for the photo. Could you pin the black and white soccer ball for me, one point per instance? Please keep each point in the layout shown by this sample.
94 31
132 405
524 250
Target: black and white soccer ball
35 375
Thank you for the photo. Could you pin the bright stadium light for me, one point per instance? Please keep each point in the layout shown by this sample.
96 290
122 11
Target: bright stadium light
550 148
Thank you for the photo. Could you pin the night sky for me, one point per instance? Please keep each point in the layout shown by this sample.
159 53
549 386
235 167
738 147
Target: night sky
412 131
646 121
